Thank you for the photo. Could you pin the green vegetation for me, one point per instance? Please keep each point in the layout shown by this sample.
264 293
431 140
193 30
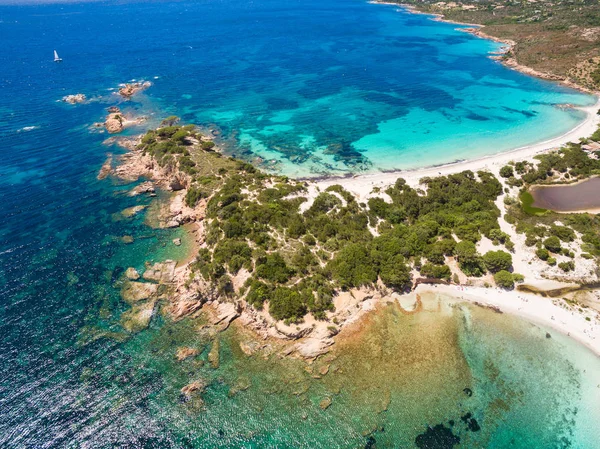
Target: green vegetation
293 260
504 279
496 261
527 202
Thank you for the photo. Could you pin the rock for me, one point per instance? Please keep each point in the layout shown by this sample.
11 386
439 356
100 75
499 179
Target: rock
213 355
250 347
227 312
184 307
138 291
74 99
176 184
325 403
114 122
127 239
130 89
132 274
161 272
311 348
294 335
138 317
113 109
324 370
131 211
185 352
177 242
173 223
548 335
144 187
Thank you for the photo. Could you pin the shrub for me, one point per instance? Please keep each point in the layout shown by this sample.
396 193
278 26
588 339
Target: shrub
563 233
506 171
497 260
551 261
207 145
353 266
552 244
194 195
287 304
395 273
542 253
258 293
273 268
567 266
518 278
504 279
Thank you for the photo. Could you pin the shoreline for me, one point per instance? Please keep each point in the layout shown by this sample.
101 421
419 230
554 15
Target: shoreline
476 30
530 307
363 184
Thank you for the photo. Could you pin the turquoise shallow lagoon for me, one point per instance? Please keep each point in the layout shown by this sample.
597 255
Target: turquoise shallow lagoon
334 86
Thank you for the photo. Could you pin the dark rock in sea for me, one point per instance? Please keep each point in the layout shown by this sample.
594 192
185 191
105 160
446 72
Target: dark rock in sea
438 437
370 443
548 335
471 422
468 392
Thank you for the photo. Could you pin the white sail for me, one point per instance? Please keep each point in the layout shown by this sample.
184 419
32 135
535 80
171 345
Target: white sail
56 58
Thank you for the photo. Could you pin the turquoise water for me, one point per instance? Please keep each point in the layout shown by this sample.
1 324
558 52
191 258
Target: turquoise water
370 86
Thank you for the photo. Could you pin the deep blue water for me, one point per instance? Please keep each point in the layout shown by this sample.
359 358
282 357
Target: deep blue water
334 84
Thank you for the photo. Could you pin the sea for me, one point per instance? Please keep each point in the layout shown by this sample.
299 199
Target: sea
304 88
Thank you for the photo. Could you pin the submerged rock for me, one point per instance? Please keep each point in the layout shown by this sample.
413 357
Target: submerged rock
127 239
439 437
131 211
138 317
185 352
106 168
177 242
213 355
325 403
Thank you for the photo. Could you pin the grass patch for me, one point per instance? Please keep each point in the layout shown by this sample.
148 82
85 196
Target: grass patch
527 204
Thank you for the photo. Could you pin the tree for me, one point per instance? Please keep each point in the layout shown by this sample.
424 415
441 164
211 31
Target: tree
504 279
497 260
542 253
395 273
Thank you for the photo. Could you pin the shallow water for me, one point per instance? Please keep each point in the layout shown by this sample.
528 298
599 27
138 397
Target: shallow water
70 376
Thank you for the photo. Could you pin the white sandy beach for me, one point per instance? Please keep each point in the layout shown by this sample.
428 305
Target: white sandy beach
534 308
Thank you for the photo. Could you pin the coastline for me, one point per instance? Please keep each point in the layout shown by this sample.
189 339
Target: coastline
476 30
362 185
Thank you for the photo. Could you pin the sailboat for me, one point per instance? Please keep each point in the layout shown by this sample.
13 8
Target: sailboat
56 58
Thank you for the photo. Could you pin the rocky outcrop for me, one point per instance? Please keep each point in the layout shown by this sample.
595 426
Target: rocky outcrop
132 274
226 313
312 348
74 99
144 187
137 291
130 89
197 386
184 305
114 122
161 272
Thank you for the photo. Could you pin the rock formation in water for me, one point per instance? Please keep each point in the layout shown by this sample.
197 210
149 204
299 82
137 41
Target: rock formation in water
74 99
130 89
